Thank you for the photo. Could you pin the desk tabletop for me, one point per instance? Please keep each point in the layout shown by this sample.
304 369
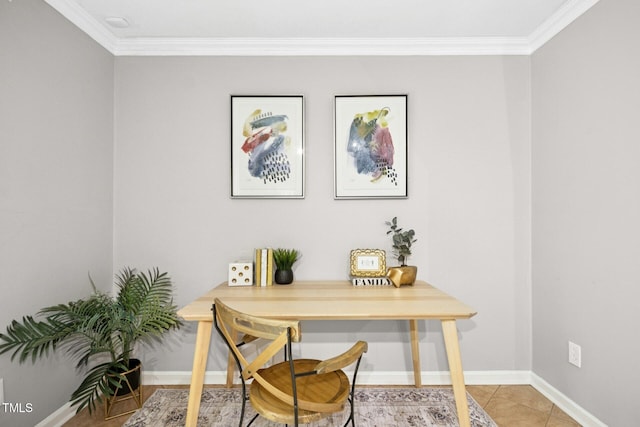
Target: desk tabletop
331 300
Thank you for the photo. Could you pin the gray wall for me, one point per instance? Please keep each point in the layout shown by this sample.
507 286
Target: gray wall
56 165
470 179
468 191
586 205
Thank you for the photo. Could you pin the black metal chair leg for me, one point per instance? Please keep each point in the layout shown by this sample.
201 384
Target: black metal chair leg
253 419
351 415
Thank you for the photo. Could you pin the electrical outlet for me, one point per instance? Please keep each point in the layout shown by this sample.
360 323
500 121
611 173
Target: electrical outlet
575 354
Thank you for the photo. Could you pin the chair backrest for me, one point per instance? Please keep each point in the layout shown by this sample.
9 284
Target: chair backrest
280 391
229 322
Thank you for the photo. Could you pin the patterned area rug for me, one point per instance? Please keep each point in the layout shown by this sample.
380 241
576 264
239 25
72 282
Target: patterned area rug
375 407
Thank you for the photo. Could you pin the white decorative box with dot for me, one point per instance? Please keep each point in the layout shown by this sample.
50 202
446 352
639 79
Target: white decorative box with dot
240 274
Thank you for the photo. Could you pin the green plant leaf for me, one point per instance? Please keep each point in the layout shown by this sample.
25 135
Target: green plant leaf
401 240
97 326
285 258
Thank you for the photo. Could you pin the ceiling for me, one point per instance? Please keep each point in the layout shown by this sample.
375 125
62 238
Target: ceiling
327 27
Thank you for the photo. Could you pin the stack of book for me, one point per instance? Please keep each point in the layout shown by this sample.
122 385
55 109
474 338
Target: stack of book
371 281
264 267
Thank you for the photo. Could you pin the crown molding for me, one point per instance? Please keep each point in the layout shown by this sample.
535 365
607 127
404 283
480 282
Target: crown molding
85 22
428 46
320 46
557 22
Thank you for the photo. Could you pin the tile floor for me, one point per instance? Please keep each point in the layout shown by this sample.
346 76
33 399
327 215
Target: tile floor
508 405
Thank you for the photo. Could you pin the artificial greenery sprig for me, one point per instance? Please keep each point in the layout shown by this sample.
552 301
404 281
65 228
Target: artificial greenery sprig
401 240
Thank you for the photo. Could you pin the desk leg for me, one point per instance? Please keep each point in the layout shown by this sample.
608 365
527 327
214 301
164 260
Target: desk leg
200 356
415 352
455 368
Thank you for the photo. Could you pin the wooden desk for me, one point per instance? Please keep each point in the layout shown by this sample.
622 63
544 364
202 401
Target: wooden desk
334 300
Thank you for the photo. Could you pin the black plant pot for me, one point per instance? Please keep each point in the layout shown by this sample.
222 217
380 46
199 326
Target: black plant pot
133 378
284 277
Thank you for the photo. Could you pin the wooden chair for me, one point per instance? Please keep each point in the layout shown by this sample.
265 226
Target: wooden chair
293 391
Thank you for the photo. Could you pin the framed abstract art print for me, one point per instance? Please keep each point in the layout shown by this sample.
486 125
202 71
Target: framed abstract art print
370 147
267 146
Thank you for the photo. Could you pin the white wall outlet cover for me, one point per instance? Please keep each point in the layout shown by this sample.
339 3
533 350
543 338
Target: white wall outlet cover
575 354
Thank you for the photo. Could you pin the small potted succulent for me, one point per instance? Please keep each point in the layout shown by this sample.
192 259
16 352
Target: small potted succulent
284 260
401 242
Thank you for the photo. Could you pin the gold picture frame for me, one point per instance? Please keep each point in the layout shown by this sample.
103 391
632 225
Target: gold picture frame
367 263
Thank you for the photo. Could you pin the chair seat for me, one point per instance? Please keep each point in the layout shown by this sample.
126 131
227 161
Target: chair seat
332 387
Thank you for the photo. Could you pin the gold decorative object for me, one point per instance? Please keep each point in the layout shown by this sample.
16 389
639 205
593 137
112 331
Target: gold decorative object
134 393
403 275
367 263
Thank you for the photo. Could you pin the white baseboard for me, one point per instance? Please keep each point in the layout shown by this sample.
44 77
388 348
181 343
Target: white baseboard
364 378
572 409
58 418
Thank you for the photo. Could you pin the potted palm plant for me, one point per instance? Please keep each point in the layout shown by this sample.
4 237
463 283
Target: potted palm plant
100 330
401 242
284 260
